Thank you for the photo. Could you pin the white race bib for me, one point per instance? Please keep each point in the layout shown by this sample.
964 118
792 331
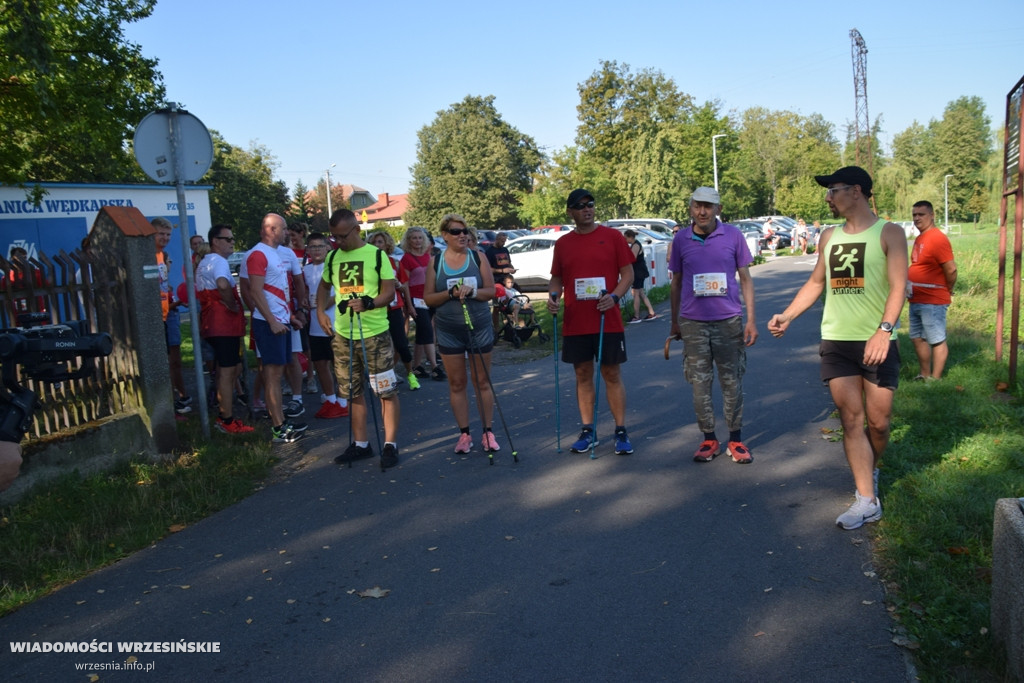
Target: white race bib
589 288
383 382
459 281
710 284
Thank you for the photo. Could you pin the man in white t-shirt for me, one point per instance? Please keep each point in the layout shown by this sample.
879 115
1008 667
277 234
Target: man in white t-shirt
320 352
272 319
299 306
222 322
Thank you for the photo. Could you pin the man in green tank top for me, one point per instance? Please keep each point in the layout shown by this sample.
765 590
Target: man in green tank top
862 269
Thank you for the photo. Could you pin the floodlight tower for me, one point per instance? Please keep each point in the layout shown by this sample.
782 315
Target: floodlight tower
862 122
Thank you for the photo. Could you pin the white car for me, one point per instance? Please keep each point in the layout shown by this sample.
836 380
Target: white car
531 257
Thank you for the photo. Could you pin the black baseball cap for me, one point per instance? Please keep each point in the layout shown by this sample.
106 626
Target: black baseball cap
578 195
848 175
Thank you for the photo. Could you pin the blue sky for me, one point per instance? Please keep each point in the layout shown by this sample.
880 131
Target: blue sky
321 82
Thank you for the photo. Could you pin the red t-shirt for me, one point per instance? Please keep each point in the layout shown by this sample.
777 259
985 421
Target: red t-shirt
931 250
590 261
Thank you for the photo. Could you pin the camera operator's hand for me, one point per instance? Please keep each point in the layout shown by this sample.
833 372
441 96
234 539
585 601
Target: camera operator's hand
10 463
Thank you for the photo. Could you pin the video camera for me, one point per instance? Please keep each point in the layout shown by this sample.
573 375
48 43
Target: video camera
44 353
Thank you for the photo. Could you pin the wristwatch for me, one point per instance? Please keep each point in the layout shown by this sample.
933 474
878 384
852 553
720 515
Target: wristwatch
885 327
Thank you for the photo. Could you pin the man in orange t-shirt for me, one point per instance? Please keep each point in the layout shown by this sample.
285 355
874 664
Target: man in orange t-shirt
930 281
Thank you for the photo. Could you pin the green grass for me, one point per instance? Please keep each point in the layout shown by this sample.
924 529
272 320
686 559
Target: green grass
65 529
957 446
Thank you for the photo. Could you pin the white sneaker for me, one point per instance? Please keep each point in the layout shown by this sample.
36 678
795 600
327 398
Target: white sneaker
863 511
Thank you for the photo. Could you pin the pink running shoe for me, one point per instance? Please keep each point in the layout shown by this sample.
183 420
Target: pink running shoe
465 443
489 442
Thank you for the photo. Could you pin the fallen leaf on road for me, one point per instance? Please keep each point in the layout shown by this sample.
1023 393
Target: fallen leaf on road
175 528
375 592
759 634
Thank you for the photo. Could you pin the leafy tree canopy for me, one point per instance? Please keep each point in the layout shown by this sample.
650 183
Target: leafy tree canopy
470 161
72 89
244 189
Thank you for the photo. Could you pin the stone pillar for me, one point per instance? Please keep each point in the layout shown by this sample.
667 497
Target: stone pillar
1007 604
122 246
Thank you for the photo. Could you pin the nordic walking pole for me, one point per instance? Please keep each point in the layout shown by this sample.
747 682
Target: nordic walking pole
351 350
597 379
480 355
558 413
369 396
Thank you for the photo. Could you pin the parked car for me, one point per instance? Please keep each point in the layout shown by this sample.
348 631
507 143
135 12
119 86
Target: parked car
235 261
531 257
552 228
665 226
643 235
485 238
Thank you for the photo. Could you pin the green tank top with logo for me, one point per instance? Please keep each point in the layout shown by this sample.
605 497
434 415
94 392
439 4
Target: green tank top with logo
856 284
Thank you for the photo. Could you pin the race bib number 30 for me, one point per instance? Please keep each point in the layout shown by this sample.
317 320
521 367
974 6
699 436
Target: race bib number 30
709 284
589 288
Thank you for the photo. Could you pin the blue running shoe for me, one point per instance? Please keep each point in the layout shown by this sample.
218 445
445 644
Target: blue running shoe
582 444
622 444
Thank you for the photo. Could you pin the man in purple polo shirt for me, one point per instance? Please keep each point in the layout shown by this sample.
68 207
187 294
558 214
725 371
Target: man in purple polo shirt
707 315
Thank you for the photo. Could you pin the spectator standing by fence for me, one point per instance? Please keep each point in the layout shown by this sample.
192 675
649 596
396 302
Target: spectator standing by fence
169 309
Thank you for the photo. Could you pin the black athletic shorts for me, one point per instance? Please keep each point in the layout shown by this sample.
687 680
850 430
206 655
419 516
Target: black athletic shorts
227 351
320 348
582 348
846 359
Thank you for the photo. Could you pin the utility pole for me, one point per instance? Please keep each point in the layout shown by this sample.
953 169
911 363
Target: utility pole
714 156
328 174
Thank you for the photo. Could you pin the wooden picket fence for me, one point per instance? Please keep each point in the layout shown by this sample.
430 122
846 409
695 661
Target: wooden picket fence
63 288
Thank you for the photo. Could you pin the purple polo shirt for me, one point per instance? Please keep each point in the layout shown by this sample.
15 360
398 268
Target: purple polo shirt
711 263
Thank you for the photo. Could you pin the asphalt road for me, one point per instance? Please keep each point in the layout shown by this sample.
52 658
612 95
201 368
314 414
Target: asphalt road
558 568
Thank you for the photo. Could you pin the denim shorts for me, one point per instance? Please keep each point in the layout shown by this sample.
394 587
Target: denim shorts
928 322
172 329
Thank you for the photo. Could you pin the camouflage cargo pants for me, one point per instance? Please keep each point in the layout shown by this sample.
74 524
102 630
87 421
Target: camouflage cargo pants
706 345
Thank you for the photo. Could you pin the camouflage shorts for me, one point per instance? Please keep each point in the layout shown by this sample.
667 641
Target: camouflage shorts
380 359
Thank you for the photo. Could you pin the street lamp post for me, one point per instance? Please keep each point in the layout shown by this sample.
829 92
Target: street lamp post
328 173
946 198
714 156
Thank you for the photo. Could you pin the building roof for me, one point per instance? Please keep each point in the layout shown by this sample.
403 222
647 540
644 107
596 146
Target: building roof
388 207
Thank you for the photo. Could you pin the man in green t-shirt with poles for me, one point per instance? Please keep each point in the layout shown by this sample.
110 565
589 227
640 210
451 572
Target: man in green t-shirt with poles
862 269
364 285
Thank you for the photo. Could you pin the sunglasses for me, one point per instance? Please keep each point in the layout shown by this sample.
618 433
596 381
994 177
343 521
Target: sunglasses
457 231
226 239
582 205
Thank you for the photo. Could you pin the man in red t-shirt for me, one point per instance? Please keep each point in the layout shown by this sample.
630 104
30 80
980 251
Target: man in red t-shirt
930 281
594 267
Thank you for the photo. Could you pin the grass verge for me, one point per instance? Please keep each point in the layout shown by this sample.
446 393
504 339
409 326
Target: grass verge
957 446
65 529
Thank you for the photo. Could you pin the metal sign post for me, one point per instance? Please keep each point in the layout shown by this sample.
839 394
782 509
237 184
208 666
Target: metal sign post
175 134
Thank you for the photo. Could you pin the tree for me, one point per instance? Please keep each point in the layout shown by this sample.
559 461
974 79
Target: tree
780 153
244 189
470 161
72 89
962 144
619 110
299 209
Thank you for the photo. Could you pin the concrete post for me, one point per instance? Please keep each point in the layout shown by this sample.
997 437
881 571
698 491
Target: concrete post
122 244
1007 604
